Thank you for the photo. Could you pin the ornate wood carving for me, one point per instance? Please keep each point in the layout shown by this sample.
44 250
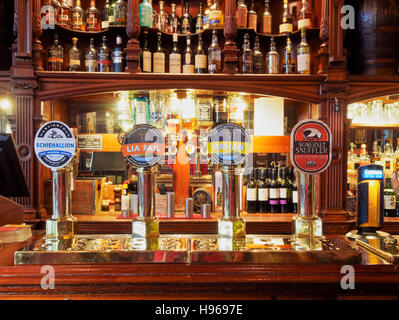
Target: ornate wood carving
322 54
37 32
133 49
230 50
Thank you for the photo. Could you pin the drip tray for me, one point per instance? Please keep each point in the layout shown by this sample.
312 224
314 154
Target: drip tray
188 249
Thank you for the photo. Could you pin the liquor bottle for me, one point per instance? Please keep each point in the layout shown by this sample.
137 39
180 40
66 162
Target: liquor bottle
204 112
105 17
125 200
263 192
201 64
216 15
289 59
267 19
120 13
93 22
206 14
220 114
305 20
111 14
396 157
50 16
252 194
286 25
199 20
252 17
388 158
91 58
214 55
175 57
159 56
303 55
274 193
173 120
118 58
294 190
257 57
186 20
104 63
363 158
188 56
283 192
145 12
242 14
74 57
272 59
247 63
389 199
78 17
55 56
219 198
173 20
64 15
141 110
236 110
162 19
375 154
146 55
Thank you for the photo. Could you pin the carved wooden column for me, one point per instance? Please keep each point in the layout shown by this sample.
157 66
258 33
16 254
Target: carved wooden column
37 32
323 55
333 112
230 50
133 49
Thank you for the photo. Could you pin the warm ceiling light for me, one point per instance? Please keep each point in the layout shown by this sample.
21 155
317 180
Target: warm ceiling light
5 104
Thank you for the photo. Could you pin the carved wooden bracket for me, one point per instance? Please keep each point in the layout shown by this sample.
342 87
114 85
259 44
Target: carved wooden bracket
133 49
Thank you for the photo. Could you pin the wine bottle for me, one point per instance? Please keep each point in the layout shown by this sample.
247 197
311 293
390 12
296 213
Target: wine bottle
146 55
104 63
175 57
252 194
188 56
118 58
201 64
274 193
159 57
263 192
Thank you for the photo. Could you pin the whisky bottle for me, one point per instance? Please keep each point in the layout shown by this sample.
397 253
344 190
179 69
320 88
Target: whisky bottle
173 20
252 194
91 58
274 193
246 56
206 14
186 20
267 19
257 57
272 59
78 17
286 25
220 113
104 63
214 55
64 15
159 56
141 110
305 14
375 154
201 65
216 15
242 14
289 60
93 17
162 20
303 54
120 13
146 55
55 56
388 158
389 199
199 20
263 192
111 15
145 13
74 57
204 112
252 17
284 190
175 57
118 57
188 56
105 17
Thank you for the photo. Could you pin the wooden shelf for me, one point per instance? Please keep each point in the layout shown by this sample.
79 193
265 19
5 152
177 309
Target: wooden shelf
373 126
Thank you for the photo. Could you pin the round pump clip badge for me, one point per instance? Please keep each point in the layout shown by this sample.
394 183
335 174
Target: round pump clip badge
143 146
228 144
55 145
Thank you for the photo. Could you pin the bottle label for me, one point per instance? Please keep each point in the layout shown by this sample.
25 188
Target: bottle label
263 194
294 196
91 65
215 17
74 62
106 62
175 63
55 59
273 202
200 61
241 17
91 22
104 24
304 23
272 64
140 112
274 193
252 21
267 24
134 203
117 60
111 19
159 62
185 26
204 113
187 58
283 193
389 202
303 62
125 203
147 61
251 194
188 68
285 27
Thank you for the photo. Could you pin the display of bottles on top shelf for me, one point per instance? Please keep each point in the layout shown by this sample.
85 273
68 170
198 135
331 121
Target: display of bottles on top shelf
271 190
374 113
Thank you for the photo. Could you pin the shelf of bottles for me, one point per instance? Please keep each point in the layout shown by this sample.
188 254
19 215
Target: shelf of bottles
93 39
374 139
